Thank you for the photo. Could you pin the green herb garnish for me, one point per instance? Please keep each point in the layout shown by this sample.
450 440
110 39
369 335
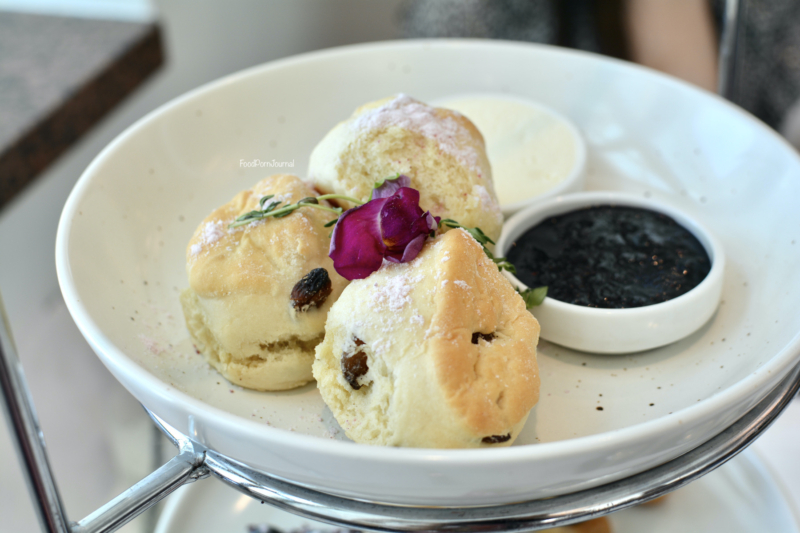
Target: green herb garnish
264 199
378 184
477 234
533 297
274 210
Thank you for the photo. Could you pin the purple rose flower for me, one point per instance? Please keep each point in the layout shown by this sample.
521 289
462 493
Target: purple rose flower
392 226
389 186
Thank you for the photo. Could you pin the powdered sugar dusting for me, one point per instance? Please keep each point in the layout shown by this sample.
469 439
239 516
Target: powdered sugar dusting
389 302
462 284
465 232
409 114
287 197
151 344
486 200
331 434
212 232
382 345
394 294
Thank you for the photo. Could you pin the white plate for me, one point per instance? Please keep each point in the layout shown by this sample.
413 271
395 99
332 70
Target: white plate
740 497
121 241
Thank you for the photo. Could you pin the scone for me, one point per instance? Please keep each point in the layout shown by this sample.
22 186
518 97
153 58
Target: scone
439 149
239 306
436 353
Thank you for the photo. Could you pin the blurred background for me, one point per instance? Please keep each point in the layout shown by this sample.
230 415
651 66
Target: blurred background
75 73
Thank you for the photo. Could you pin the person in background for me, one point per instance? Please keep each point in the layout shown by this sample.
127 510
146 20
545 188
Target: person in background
767 79
678 37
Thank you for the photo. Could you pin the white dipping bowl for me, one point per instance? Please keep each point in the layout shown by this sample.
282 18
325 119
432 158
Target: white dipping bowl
595 330
536 153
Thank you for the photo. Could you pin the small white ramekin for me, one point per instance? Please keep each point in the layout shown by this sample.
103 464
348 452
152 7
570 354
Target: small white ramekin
596 330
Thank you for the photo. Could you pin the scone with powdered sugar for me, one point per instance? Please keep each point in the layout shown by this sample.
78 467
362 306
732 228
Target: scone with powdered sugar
259 294
439 352
439 149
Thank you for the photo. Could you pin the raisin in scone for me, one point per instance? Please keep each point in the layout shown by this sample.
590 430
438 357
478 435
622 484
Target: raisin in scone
439 149
436 353
258 294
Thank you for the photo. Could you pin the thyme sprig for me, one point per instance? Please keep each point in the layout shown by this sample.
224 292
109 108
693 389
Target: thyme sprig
483 239
531 297
273 209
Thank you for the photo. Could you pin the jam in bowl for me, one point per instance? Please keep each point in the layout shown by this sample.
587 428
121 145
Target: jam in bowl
624 273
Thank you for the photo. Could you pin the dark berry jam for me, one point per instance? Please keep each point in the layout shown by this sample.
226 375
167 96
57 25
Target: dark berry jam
610 257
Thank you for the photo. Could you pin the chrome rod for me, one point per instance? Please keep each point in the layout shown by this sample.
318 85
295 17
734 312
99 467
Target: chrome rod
183 468
525 516
186 467
24 425
726 69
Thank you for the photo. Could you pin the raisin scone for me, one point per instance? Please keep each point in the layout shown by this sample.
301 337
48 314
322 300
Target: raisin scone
440 150
259 294
439 352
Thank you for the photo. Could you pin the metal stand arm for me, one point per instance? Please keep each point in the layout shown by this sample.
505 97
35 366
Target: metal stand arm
726 67
24 424
183 468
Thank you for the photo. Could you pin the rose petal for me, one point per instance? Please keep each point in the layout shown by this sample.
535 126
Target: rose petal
413 248
433 222
356 248
393 228
391 186
402 220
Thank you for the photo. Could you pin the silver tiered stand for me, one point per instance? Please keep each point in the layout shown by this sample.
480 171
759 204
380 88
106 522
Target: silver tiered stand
195 461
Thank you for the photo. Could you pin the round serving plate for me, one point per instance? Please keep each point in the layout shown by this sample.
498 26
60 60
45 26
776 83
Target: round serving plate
121 255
